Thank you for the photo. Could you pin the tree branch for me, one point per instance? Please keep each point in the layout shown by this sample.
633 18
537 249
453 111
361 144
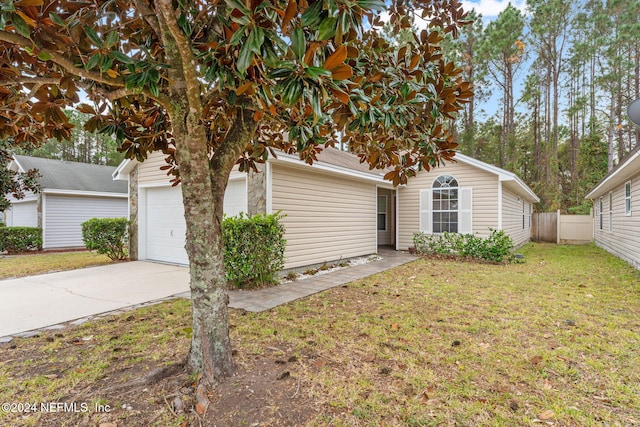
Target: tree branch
148 15
70 67
25 80
61 60
189 66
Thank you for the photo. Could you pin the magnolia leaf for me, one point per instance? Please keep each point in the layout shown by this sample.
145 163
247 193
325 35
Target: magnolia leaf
93 36
317 72
342 96
327 28
122 57
21 26
255 39
44 56
372 4
336 58
93 61
112 73
292 10
312 16
26 3
244 58
56 19
112 39
244 88
342 72
237 4
298 43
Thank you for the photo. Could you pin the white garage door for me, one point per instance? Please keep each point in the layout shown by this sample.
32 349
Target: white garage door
65 214
165 225
23 214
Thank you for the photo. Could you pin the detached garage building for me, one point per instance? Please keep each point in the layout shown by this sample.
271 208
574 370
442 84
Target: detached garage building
70 194
336 209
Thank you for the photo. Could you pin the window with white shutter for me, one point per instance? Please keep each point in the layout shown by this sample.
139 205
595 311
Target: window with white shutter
446 207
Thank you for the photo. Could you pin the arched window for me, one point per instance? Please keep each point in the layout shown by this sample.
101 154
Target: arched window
445 204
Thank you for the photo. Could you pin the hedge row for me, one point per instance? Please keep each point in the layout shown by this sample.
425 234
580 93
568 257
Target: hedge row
253 249
496 247
20 239
108 236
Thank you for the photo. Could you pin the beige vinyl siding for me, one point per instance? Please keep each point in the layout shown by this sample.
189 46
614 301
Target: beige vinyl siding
624 240
484 204
149 173
512 218
329 216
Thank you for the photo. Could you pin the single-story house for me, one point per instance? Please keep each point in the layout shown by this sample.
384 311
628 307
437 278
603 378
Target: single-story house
338 208
616 227
70 194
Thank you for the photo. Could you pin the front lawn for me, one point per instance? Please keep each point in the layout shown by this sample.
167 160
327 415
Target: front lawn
30 264
553 341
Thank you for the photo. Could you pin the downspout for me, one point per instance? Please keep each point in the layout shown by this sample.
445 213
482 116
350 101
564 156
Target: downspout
499 204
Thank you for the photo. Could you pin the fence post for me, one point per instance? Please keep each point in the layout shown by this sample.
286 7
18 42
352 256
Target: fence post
558 228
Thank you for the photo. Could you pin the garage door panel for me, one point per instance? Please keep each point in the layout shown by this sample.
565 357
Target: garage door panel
65 214
23 214
165 224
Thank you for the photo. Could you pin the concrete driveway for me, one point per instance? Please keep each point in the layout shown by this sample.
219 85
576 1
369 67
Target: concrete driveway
36 302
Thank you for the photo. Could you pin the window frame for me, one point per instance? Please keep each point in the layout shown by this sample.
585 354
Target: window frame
610 211
382 213
446 186
601 213
627 198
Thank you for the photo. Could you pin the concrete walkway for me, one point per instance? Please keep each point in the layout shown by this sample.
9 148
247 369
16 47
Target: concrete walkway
55 300
267 298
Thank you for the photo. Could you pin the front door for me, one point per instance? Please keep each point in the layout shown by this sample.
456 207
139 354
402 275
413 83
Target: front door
386 217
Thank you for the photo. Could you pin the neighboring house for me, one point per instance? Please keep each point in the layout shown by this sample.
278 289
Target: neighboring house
70 194
617 217
337 208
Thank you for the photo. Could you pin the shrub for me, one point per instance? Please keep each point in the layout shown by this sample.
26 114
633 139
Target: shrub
108 236
20 239
496 247
253 249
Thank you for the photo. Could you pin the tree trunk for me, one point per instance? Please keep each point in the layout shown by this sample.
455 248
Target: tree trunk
204 183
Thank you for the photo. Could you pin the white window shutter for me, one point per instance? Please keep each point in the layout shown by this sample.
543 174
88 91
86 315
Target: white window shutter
465 212
425 211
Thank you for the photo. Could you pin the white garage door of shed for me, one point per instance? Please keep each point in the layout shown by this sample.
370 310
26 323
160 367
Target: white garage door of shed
165 225
23 214
63 216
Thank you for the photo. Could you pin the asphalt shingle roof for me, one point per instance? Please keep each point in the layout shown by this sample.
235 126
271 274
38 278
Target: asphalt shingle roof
64 175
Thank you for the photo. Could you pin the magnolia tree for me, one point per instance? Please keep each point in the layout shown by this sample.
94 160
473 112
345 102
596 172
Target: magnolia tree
216 83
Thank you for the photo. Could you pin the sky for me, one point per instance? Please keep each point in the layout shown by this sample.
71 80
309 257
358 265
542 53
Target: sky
489 9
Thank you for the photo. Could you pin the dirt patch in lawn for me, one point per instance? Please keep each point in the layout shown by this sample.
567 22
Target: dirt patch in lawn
95 374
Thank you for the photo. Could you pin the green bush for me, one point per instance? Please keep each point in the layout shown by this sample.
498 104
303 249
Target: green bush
496 247
253 249
108 236
20 239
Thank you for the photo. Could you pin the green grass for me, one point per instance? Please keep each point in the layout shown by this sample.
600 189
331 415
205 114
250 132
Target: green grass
449 343
27 265
430 343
